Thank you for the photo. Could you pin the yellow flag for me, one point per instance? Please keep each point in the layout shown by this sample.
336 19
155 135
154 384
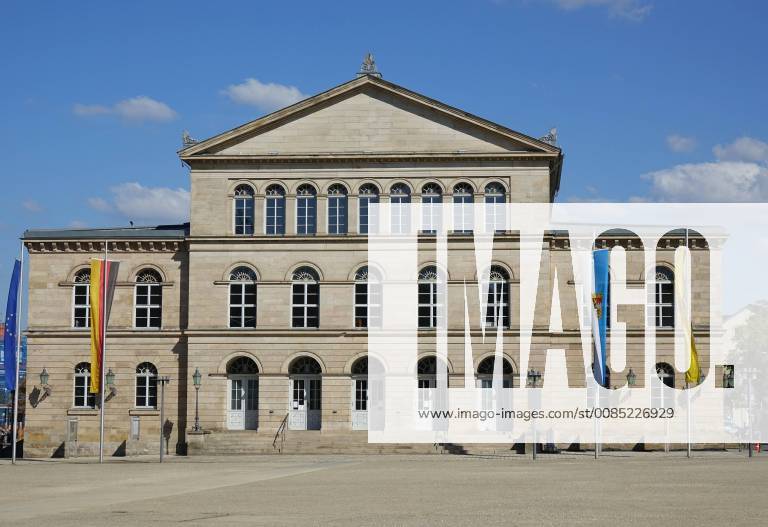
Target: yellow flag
693 375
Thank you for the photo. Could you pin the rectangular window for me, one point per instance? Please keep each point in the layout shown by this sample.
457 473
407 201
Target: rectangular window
305 305
498 305
361 395
83 397
462 214
368 223
494 213
244 216
306 220
337 215
242 305
428 305
81 310
431 209
146 391
367 305
400 214
149 301
275 223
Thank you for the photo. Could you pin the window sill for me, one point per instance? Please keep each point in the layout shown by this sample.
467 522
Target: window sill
82 411
144 411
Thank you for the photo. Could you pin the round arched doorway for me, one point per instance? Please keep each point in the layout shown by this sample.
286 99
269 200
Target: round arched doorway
306 394
242 394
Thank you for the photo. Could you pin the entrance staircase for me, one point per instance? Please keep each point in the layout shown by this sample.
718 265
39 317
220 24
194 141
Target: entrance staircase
325 442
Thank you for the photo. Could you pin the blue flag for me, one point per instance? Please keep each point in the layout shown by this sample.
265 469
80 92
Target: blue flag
600 314
11 318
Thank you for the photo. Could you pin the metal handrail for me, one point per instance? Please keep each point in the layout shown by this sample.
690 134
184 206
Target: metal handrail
281 434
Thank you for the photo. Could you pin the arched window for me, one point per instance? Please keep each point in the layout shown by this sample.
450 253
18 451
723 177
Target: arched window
244 210
305 299
494 208
400 198
337 210
274 210
485 373
431 198
368 194
148 299
146 385
666 374
430 307
428 366
663 301
497 306
242 366
81 307
242 298
83 398
462 208
306 210
305 366
367 299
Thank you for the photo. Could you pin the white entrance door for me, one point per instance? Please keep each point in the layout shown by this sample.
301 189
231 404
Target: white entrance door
304 413
360 403
243 402
426 401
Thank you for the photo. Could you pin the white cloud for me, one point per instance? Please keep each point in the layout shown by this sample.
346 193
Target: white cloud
32 206
681 143
141 204
721 181
631 9
136 109
743 149
267 97
77 224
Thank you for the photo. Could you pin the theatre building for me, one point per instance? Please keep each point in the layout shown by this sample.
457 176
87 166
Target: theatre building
264 291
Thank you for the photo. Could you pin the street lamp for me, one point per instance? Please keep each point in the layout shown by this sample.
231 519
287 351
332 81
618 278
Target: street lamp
533 377
728 376
631 378
109 379
44 377
196 380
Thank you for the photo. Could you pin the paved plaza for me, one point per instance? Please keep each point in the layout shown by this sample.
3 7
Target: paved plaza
567 489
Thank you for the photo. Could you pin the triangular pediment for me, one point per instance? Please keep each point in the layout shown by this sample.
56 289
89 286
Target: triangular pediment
367 116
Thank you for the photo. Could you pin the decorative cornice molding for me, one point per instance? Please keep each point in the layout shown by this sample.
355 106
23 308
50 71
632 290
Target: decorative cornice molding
97 246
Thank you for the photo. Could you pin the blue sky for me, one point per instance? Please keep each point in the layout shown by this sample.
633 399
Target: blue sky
653 100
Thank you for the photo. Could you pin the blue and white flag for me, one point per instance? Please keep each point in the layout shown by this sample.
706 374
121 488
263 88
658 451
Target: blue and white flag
11 318
600 314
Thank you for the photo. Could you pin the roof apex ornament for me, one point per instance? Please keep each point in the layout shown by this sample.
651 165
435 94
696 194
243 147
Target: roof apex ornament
187 140
551 137
368 67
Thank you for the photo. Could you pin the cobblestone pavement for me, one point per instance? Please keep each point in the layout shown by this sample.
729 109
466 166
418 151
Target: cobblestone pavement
566 489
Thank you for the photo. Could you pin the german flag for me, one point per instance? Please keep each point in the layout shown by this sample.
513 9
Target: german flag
103 279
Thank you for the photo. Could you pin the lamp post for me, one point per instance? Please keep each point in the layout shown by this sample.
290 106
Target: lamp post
163 381
533 377
196 378
631 378
44 377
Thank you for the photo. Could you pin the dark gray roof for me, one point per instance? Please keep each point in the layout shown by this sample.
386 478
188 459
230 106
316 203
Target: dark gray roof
113 233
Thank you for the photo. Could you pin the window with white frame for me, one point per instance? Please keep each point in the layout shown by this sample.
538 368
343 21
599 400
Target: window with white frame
274 210
431 208
305 298
149 299
146 385
367 299
244 210
242 298
368 195
494 208
400 199
662 309
360 374
430 307
83 398
497 303
337 210
462 208
306 210
81 306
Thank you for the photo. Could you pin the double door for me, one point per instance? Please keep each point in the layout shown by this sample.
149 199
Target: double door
305 397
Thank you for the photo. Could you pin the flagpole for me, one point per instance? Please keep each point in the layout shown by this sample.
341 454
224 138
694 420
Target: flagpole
104 270
20 297
687 391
